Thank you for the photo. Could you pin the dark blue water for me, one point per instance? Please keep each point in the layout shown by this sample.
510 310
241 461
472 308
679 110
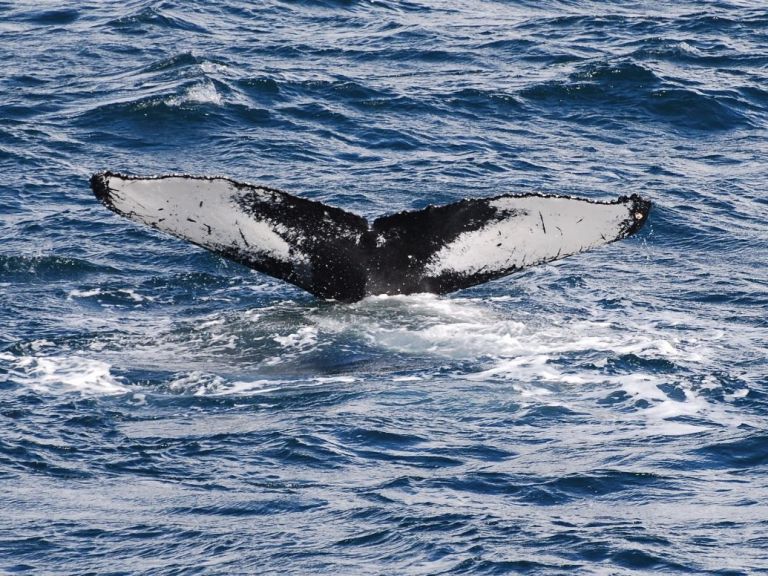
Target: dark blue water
163 411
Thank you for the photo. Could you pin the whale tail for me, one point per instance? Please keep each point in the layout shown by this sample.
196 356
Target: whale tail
335 254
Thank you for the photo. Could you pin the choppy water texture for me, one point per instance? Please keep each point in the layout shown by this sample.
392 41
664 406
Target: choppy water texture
163 411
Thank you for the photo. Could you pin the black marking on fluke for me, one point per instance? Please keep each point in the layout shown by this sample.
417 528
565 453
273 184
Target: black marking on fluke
335 254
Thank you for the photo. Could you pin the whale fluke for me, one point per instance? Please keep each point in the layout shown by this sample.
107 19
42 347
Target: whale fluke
335 254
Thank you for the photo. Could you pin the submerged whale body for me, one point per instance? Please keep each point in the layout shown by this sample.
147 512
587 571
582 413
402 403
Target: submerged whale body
335 254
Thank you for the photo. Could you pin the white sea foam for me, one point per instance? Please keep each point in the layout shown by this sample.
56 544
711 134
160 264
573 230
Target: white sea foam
196 383
37 345
199 383
130 293
62 374
542 357
204 93
83 293
303 337
212 67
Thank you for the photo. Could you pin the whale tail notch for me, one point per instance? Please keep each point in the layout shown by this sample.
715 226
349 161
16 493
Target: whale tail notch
335 254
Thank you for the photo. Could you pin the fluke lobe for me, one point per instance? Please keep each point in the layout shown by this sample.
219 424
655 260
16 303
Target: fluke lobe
335 254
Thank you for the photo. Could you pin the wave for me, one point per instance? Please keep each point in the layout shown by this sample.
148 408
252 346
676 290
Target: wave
479 101
631 91
696 53
138 22
188 108
749 18
60 17
46 268
199 93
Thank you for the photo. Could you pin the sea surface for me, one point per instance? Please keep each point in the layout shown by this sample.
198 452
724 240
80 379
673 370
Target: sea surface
164 411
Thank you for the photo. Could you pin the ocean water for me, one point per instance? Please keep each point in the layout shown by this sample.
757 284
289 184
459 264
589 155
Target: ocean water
163 411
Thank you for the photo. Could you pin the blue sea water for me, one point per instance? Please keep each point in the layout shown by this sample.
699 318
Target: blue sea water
164 411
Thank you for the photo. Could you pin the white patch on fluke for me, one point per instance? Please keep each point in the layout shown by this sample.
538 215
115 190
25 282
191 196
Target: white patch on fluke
202 211
532 230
